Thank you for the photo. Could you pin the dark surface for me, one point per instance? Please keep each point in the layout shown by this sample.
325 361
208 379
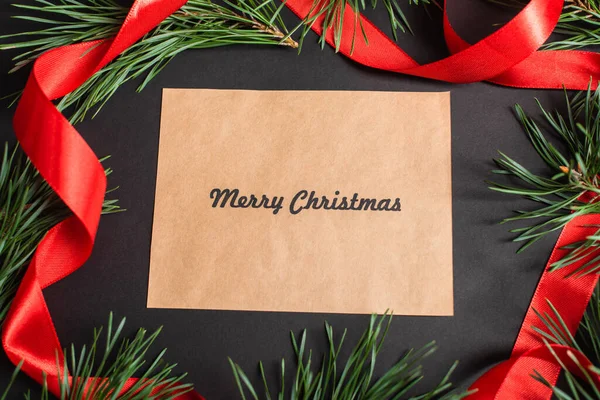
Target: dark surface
492 284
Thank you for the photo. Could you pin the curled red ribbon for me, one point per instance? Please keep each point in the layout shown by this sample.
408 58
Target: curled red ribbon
570 295
507 57
72 169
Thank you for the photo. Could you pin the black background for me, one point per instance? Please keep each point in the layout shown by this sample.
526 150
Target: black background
492 284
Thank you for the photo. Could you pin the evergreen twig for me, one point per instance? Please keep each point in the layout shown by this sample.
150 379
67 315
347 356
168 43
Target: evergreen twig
354 379
102 374
28 209
574 172
578 25
333 14
199 24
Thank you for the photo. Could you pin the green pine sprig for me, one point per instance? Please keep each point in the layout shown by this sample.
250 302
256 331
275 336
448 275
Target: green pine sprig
574 169
28 209
587 342
354 379
578 25
333 13
200 24
100 371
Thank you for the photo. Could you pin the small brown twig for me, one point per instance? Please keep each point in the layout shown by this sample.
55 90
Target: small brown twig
273 31
582 5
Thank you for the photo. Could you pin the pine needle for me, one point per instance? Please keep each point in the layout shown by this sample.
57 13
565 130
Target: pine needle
333 14
199 24
587 342
355 378
573 172
28 209
100 372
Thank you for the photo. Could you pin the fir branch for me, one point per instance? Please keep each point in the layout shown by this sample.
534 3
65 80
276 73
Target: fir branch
574 172
355 379
587 342
100 374
199 24
578 25
28 209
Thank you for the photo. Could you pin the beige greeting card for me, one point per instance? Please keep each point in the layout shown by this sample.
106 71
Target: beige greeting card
303 201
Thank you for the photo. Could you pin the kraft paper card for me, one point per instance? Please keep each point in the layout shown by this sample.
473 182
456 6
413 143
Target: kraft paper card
307 201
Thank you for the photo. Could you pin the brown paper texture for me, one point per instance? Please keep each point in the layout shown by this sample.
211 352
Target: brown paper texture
380 145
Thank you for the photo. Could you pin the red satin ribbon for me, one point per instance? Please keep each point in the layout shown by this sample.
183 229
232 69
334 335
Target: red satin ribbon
570 296
507 57
512 380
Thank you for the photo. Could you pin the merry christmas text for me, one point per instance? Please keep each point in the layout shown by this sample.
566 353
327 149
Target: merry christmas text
303 200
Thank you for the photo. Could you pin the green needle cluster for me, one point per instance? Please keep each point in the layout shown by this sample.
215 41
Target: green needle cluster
579 384
355 378
579 23
199 24
101 372
573 172
333 13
